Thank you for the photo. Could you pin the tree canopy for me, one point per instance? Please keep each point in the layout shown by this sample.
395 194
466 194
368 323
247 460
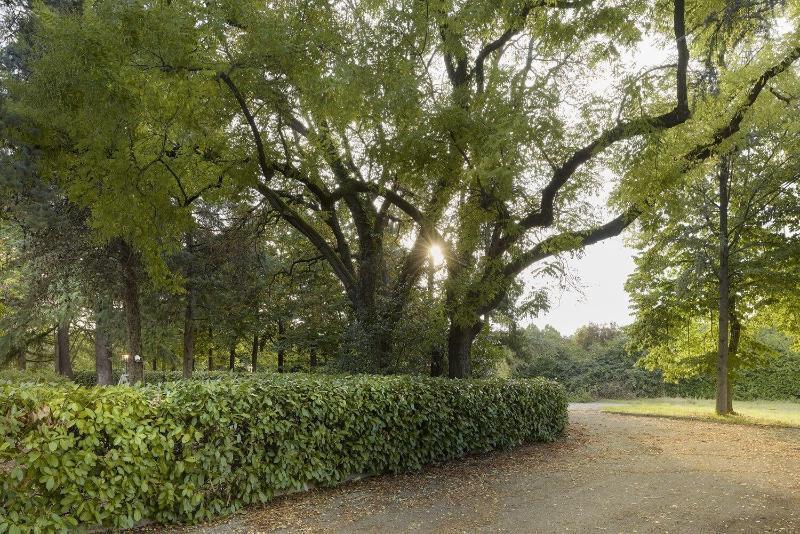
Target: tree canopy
364 134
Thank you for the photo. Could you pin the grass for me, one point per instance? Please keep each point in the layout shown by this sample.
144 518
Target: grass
770 413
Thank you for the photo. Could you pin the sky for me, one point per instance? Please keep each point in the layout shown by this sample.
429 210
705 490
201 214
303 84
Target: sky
601 272
600 297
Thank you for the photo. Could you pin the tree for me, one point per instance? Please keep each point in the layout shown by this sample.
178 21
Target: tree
373 128
719 252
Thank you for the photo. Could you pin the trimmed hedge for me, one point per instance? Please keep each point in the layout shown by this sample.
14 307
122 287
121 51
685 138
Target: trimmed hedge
35 376
186 451
89 378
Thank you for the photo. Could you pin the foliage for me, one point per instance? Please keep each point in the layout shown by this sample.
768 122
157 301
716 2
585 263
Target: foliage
186 451
89 378
608 369
377 129
14 376
589 366
777 379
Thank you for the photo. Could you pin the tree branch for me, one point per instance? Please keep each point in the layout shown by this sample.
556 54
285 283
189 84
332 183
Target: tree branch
268 170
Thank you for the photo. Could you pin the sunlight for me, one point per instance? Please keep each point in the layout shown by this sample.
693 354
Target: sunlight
437 255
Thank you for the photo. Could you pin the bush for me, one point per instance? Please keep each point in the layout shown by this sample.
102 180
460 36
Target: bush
33 376
779 379
89 378
189 450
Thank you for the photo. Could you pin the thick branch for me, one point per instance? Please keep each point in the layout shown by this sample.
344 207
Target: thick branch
569 241
268 170
723 133
500 42
543 216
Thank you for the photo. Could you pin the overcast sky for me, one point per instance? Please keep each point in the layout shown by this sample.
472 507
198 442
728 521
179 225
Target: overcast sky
602 272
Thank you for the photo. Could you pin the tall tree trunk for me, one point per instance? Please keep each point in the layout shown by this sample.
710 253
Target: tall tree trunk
232 358
724 404
22 361
102 346
437 361
437 354
133 318
188 333
459 348
188 313
281 348
210 349
254 354
312 358
733 346
63 358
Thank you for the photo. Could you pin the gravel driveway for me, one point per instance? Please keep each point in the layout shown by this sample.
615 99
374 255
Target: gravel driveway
612 473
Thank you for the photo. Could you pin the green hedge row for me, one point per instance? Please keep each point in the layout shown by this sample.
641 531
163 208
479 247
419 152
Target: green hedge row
778 380
89 378
186 451
35 376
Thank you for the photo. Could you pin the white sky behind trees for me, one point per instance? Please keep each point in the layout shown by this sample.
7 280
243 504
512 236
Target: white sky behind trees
597 295
600 296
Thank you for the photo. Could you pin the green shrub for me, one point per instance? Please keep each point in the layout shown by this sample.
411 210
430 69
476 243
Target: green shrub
89 378
779 379
189 450
35 376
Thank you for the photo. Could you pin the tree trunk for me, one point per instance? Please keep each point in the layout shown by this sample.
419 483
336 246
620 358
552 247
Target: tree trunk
312 358
210 349
22 361
437 354
724 404
188 314
254 354
102 347
63 358
437 362
459 347
281 349
232 358
133 319
733 346
188 333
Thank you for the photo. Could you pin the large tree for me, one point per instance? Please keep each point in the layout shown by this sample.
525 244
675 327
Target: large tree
378 127
717 254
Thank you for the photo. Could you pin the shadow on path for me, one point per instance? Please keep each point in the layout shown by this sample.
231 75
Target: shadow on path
611 473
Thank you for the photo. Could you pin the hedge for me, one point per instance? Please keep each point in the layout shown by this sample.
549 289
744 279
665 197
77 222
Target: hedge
190 450
37 376
89 378
779 379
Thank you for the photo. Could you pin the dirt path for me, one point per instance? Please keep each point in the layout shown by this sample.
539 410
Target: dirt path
613 473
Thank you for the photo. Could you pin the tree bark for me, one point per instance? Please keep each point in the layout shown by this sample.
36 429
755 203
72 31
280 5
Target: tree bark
63 358
210 349
733 346
188 314
459 348
281 349
724 404
102 347
232 358
437 362
188 333
254 354
22 361
312 358
133 318
437 354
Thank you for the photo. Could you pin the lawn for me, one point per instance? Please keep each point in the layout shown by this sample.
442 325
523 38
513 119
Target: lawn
773 413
